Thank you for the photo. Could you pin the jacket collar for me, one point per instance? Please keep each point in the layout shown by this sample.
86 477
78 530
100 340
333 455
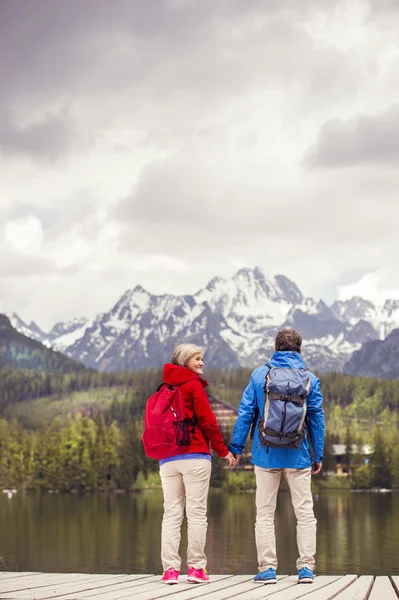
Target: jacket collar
177 375
290 360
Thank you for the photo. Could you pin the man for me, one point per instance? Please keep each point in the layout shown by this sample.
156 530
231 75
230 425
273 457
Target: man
283 402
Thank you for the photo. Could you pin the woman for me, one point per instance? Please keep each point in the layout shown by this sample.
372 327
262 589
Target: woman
185 477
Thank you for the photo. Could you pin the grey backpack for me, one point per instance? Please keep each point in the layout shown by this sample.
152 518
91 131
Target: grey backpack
283 421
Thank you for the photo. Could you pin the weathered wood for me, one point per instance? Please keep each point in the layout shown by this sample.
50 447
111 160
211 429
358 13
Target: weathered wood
81 586
46 579
359 590
395 583
228 588
206 590
155 591
10 574
64 586
116 590
303 589
257 591
334 589
382 590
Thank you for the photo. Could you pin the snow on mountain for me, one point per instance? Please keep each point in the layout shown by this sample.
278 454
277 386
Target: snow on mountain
235 319
383 318
32 330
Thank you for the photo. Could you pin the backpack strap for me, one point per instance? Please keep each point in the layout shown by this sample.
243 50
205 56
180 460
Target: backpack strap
253 426
194 420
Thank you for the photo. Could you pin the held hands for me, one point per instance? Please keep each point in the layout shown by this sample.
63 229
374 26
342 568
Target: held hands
231 461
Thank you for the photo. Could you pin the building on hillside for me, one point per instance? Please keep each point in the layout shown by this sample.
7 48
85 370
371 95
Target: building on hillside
225 413
339 452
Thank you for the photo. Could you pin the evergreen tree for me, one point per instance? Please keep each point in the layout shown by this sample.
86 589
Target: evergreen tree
381 476
348 450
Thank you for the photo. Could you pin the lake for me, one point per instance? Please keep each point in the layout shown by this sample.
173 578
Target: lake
357 533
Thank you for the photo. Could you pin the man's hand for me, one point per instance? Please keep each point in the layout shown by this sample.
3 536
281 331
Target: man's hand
229 458
238 458
316 468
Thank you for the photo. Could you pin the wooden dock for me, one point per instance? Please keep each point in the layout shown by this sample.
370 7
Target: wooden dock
40 586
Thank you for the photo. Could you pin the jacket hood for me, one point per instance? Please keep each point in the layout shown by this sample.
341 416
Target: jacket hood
177 375
288 360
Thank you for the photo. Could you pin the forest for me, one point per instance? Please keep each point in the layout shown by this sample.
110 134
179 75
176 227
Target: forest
81 431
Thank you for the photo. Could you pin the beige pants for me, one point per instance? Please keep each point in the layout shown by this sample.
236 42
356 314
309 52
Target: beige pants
185 482
267 485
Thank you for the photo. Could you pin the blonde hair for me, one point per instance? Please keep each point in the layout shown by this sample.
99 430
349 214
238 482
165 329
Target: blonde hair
183 353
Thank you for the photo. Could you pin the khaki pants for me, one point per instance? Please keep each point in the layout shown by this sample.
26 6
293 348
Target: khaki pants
267 485
185 482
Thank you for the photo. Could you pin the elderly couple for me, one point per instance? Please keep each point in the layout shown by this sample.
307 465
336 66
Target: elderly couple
277 395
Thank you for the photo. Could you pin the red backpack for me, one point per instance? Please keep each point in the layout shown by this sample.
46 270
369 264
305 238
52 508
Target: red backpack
167 430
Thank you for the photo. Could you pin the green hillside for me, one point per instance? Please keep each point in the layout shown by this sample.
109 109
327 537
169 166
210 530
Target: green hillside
48 416
19 351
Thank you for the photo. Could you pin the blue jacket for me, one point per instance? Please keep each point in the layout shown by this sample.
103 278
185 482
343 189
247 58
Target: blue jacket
254 398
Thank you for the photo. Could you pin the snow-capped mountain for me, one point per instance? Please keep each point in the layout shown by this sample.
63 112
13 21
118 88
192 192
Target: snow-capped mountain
30 330
235 319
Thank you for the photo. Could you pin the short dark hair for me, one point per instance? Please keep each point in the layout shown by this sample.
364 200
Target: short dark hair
288 340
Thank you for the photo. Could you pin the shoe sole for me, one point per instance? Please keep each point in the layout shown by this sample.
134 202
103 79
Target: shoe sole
305 580
196 580
265 581
170 582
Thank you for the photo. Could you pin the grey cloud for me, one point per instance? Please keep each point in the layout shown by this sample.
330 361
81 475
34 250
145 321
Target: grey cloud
15 265
368 139
185 198
328 291
49 138
58 47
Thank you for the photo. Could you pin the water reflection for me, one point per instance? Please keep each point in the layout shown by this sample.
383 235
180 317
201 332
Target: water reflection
357 533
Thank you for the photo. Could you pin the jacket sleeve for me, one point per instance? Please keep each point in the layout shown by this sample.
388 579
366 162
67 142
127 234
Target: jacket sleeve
246 414
315 414
207 420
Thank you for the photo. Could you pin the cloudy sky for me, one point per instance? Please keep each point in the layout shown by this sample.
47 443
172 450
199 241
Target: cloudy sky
163 142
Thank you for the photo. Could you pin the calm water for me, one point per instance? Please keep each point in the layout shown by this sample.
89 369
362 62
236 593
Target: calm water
357 533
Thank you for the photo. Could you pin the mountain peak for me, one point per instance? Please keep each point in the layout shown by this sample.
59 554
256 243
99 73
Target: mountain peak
214 282
245 272
138 289
289 289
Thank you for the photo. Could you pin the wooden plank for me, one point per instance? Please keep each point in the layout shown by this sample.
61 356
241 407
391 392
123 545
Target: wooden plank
359 590
382 589
51 590
10 574
296 590
45 579
215 589
395 582
250 588
256 591
26 583
115 590
333 589
155 591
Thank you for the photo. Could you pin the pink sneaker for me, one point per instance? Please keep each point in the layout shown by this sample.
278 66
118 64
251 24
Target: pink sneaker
197 575
171 576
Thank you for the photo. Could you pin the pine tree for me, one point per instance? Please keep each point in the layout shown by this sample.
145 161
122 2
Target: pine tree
395 461
348 450
381 476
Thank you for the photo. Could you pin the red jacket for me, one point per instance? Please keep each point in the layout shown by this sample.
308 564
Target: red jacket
196 401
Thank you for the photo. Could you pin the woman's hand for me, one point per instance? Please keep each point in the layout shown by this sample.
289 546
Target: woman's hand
231 461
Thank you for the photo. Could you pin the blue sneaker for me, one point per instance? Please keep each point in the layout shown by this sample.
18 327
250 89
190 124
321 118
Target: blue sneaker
305 575
268 576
